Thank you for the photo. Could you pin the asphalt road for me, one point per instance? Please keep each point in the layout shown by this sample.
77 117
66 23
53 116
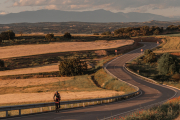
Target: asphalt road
151 94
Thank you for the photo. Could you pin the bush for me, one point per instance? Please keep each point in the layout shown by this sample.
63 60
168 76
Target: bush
7 35
168 64
2 65
176 77
151 57
72 67
147 51
96 34
49 36
103 33
67 35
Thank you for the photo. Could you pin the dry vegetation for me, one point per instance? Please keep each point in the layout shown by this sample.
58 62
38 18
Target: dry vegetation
171 44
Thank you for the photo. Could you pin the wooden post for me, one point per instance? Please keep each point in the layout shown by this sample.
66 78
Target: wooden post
50 108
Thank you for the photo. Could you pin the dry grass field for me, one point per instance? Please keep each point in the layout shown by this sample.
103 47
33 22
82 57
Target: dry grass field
172 44
27 50
46 68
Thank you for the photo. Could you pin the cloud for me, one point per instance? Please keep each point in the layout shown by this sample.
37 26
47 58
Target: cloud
2 13
141 5
51 7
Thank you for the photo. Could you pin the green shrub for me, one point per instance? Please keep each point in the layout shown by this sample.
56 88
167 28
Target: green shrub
96 34
67 35
147 52
149 58
168 64
49 36
72 67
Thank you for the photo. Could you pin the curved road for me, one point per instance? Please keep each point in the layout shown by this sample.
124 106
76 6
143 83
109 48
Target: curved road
150 94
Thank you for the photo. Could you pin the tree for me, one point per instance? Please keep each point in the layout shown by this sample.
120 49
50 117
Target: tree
49 36
108 33
96 34
8 35
156 32
104 33
67 35
151 57
72 67
168 64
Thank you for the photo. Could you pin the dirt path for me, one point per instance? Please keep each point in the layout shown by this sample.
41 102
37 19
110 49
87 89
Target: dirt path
39 97
46 68
26 50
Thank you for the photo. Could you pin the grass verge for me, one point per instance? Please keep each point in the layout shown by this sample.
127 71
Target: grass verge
167 111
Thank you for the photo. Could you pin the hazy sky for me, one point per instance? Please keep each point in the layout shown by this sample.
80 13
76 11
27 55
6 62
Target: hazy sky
161 7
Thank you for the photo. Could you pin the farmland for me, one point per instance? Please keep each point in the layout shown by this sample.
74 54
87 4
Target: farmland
28 89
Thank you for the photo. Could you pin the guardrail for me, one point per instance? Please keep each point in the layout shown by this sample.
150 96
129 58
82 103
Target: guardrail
73 104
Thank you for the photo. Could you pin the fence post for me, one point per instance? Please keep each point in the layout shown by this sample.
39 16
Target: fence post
41 109
50 108
31 110
19 112
6 113
83 105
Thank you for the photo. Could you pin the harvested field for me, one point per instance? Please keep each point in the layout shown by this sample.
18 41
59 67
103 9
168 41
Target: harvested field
26 50
28 82
46 68
172 45
39 97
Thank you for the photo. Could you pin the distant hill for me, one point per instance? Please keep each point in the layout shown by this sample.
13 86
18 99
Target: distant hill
86 16
78 27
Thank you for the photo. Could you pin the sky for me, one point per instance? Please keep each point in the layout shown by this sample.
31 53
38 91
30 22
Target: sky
169 8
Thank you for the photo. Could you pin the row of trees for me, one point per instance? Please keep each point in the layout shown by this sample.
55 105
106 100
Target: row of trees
51 36
139 31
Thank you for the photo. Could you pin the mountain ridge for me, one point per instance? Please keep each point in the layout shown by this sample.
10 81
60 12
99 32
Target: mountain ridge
100 16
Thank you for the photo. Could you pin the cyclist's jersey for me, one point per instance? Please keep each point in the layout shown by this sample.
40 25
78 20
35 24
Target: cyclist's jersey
57 95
